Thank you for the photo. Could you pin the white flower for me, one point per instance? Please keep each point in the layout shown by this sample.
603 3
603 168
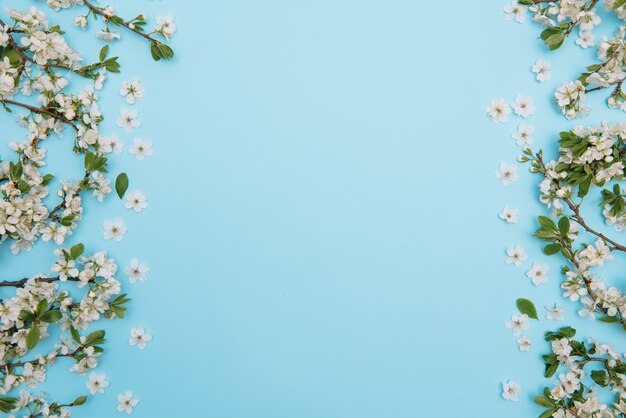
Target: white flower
516 256
141 149
128 120
523 106
132 91
524 135
81 22
518 323
97 383
543 69
538 274
110 144
136 201
499 110
166 26
555 313
114 229
515 11
108 35
586 39
524 343
509 215
510 390
507 174
127 402
139 337
137 271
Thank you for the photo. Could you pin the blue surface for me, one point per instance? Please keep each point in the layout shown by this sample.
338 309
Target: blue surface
322 235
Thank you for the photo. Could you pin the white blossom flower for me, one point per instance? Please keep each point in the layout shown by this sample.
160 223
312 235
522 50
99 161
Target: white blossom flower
524 134
166 26
136 201
507 174
132 91
136 271
524 343
523 106
518 323
139 337
585 39
110 144
543 69
499 110
516 255
128 120
538 274
515 11
141 148
555 313
510 390
108 35
114 229
509 215
127 402
97 383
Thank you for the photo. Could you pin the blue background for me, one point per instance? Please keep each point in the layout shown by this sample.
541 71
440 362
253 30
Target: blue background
322 235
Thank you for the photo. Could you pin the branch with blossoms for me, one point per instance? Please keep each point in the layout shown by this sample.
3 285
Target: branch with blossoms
37 64
42 302
560 18
589 158
32 55
571 395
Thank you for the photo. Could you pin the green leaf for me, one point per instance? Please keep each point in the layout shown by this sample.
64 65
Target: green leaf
121 184
620 368
552 249
600 377
27 316
544 401
7 404
525 306
103 52
548 413
564 225
51 316
546 222
75 335
42 306
96 337
551 369
76 251
32 337
79 401
618 4
609 319
555 41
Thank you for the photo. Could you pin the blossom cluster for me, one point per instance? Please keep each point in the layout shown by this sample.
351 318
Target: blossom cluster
47 83
571 395
45 301
562 18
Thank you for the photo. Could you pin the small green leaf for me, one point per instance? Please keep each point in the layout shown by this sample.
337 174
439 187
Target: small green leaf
525 306
103 52
32 337
609 319
544 402
121 184
76 251
564 225
552 249
51 316
79 401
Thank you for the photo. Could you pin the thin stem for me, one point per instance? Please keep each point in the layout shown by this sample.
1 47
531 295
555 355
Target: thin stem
41 111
